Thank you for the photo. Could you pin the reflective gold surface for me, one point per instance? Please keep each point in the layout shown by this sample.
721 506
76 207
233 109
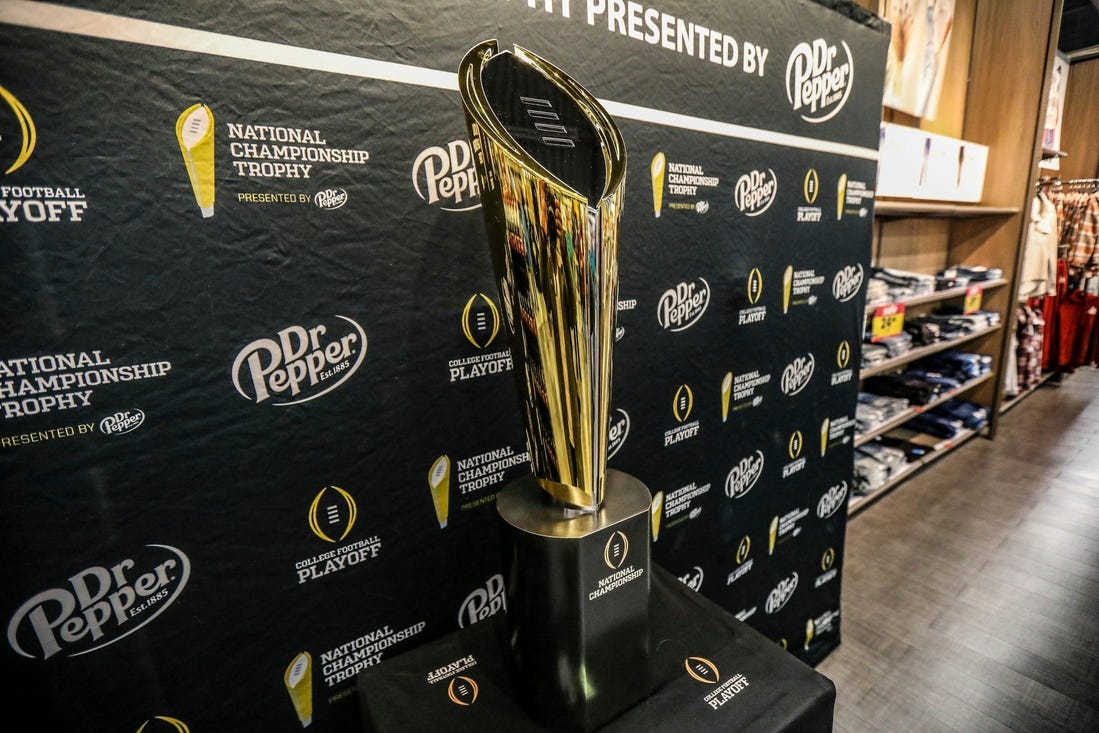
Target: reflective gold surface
555 256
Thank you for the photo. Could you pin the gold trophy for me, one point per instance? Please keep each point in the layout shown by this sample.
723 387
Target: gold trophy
772 536
810 632
576 535
299 683
195 134
825 426
787 287
656 171
726 392
438 480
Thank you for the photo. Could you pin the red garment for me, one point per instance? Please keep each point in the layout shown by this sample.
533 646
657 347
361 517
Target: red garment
1048 307
1076 322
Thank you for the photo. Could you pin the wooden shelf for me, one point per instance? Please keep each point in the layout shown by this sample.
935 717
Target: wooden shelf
857 503
902 417
939 295
921 351
900 209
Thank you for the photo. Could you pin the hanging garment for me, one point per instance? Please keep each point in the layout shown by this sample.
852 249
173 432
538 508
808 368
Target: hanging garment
1028 352
1080 233
1039 272
1077 315
1011 373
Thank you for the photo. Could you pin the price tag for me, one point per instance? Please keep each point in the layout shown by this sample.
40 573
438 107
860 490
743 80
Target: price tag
972 299
888 320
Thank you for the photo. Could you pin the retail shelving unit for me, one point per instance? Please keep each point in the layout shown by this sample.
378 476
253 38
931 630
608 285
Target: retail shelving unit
983 103
904 416
939 295
940 449
921 351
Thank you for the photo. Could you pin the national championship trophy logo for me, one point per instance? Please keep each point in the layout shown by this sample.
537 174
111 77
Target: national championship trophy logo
552 166
195 134
438 480
299 684
656 170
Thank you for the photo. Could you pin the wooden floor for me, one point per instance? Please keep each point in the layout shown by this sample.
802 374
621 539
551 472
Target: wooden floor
971 592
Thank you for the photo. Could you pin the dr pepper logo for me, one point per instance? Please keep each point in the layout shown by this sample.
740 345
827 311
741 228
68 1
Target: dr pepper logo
819 79
755 192
682 306
300 363
445 177
847 282
99 605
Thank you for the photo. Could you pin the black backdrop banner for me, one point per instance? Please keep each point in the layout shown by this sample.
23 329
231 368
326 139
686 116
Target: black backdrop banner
256 405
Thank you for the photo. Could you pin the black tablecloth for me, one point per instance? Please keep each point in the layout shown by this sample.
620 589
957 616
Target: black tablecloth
710 672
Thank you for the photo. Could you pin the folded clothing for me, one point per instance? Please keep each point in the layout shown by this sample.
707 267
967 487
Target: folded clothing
943 381
969 414
872 410
975 273
918 283
870 475
949 282
875 463
935 424
873 354
916 391
912 451
898 345
952 313
957 364
877 291
924 333
894 458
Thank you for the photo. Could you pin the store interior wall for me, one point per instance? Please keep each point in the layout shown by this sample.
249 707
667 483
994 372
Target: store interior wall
1080 135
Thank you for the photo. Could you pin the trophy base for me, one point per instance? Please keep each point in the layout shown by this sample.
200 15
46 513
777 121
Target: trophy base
578 602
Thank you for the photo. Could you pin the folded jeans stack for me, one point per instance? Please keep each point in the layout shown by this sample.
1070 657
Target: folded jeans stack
935 424
877 292
974 273
960 365
873 410
873 354
875 464
902 281
916 391
971 415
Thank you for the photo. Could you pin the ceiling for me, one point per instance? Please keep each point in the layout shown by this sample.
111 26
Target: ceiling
1079 28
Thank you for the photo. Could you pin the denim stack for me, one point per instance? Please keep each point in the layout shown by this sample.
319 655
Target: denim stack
875 464
874 410
902 284
949 419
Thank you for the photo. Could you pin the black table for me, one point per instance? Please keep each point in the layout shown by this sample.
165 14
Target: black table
710 672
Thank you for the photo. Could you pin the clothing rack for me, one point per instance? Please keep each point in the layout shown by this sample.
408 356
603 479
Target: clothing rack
1073 183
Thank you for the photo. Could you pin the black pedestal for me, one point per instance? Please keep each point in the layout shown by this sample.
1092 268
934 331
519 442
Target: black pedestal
578 603
710 672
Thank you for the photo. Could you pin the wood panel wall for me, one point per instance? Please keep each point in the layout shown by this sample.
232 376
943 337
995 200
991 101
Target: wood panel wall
1080 129
1013 50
